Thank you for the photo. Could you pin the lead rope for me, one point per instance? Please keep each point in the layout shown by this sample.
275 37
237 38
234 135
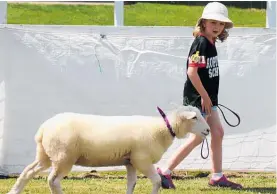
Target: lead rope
226 122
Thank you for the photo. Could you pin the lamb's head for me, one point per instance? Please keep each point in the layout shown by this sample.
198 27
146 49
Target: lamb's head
189 119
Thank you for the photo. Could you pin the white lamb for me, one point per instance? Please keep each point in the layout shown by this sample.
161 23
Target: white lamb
137 142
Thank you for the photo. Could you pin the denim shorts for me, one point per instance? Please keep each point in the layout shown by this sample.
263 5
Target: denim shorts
214 108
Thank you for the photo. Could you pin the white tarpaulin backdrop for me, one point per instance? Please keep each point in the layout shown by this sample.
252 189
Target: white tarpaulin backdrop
46 70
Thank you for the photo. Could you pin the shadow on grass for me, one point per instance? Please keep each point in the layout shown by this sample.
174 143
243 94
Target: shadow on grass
106 176
261 190
182 175
267 190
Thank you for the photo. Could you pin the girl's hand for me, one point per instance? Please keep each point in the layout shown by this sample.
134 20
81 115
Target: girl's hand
206 105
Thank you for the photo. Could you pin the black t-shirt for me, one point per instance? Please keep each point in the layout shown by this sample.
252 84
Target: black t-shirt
203 55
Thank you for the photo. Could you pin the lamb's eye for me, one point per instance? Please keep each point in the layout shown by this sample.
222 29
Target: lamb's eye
195 118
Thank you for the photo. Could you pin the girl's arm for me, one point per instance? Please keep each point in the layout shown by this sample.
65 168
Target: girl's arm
196 82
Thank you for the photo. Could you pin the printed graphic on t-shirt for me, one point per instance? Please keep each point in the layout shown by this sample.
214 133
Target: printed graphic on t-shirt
195 58
212 66
197 61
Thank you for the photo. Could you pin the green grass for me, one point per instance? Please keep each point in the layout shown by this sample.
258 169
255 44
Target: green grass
115 182
140 14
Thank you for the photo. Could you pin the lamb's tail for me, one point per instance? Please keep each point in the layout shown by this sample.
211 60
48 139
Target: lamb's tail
41 154
39 135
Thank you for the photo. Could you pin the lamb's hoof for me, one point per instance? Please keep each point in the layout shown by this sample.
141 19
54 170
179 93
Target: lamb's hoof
12 192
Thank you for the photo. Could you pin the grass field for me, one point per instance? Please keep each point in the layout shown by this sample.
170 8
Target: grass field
140 14
115 183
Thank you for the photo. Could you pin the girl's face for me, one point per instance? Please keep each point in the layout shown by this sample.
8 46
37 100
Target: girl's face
213 28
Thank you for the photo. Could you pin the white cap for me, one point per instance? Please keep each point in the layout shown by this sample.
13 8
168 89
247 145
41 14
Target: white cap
216 11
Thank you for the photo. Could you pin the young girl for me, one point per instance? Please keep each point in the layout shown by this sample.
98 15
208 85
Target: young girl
201 90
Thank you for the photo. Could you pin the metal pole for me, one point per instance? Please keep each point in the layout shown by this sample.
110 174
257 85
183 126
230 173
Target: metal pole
118 13
3 20
3 12
271 14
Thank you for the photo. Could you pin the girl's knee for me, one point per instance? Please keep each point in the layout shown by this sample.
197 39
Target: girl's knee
217 133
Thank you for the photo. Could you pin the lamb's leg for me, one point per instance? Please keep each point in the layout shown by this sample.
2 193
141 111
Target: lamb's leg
150 172
54 182
41 163
146 167
28 173
131 178
59 171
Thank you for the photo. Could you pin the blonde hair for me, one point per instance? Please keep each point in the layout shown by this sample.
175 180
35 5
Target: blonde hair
199 28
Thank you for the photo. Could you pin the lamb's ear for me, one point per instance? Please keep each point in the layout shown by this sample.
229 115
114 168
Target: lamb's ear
189 115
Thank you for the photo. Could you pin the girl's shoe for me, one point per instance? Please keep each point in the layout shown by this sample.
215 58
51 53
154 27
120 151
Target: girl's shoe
224 182
167 182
